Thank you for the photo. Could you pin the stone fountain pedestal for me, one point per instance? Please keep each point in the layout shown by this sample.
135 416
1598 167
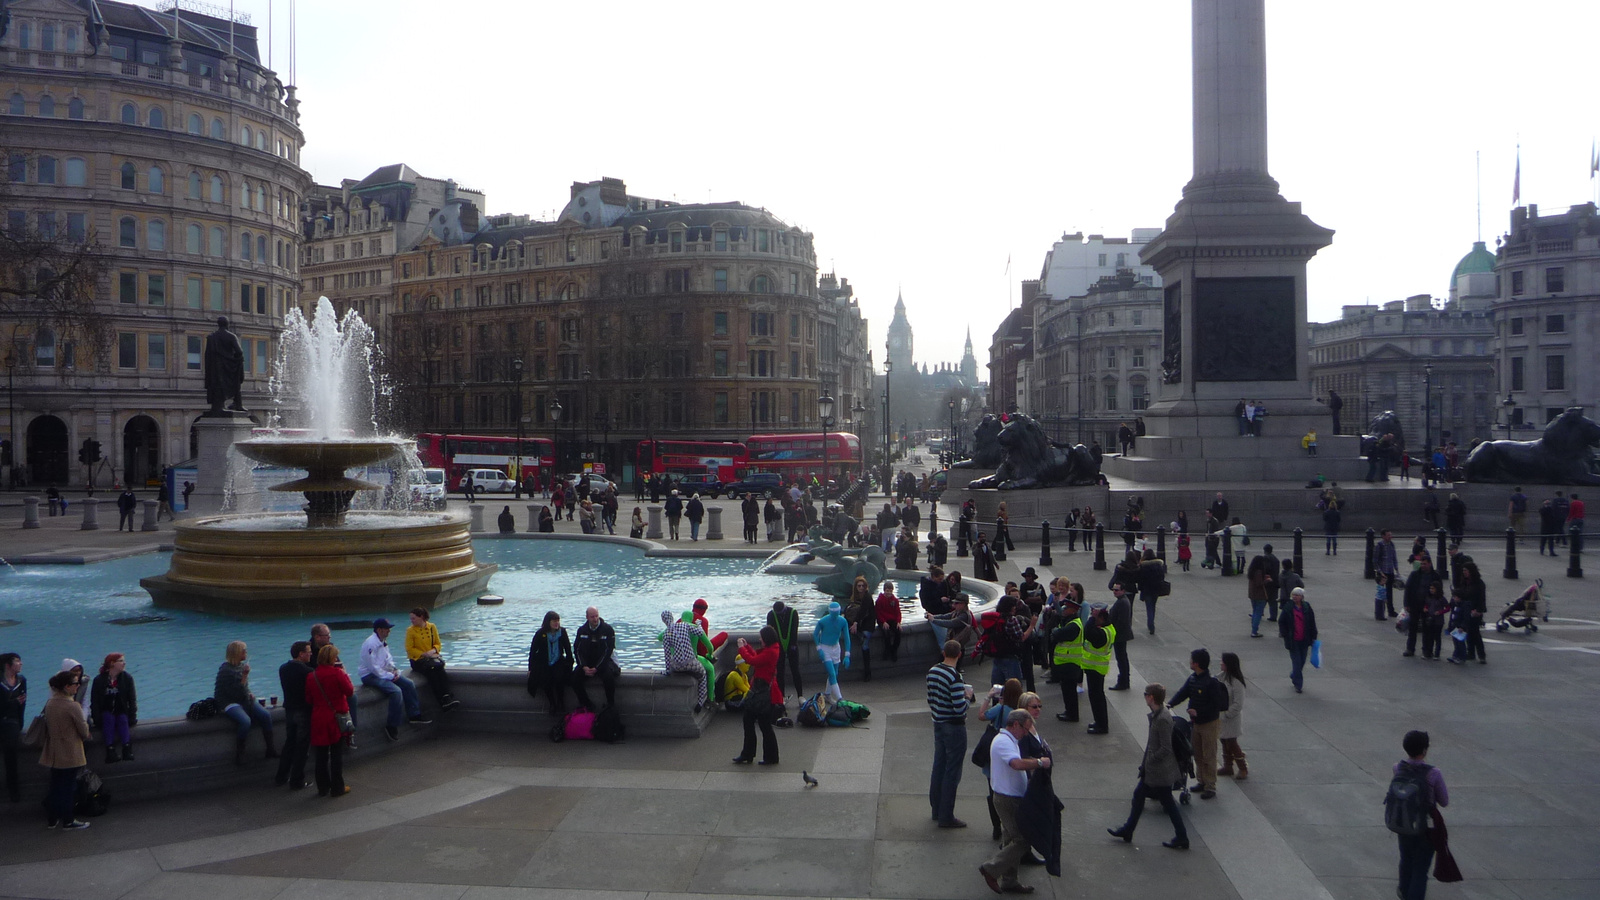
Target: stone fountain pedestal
216 433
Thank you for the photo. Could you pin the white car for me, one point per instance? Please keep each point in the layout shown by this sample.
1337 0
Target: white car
597 483
427 488
487 480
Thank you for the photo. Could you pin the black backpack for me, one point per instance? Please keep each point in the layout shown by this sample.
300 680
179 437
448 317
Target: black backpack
608 726
92 798
202 709
1407 805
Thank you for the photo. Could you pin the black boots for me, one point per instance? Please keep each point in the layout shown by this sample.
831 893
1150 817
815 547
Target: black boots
272 752
127 753
238 751
111 755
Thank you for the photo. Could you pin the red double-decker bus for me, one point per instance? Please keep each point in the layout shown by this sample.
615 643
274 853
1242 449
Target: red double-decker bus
456 453
721 460
800 456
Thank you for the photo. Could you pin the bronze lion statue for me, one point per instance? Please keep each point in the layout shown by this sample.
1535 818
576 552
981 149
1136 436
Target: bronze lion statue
1384 423
986 450
1560 457
1032 460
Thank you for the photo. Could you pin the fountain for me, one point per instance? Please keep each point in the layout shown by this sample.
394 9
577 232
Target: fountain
326 559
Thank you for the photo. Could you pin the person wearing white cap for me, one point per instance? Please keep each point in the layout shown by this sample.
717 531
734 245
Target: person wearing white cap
378 671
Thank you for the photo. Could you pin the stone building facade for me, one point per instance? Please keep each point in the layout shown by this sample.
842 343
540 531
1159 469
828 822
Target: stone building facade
353 230
644 318
164 141
1547 312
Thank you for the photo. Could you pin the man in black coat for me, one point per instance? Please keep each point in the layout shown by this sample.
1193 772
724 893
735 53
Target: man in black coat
786 622
126 504
296 717
752 518
1416 598
1121 617
593 653
1207 699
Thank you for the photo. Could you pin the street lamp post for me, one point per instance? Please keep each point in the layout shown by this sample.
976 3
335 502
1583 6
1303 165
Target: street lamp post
825 413
605 440
588 376
1510 406
888 459
555 416
1427 409
516 410
951 434
859 411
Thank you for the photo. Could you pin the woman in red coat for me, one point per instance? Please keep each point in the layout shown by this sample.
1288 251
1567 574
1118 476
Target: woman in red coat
888 609
328 691
763 674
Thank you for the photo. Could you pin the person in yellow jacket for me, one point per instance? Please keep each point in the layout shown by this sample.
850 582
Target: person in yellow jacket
422 648
1098 637
1066 657
1309 442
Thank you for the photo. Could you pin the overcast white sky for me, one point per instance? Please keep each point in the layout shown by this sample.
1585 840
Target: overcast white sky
924 143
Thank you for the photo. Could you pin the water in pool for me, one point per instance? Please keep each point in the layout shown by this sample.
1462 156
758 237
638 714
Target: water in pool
85 612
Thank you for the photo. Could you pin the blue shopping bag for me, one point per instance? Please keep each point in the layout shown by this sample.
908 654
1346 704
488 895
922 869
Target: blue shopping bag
1316 654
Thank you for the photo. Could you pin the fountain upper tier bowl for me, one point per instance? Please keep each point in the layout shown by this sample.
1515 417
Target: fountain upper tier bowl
324 460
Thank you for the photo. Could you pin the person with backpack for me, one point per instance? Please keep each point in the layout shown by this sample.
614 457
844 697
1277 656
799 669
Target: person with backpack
1158 772
1297 625
1409 808
1207 699
764 699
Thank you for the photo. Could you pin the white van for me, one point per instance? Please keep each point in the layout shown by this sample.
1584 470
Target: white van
491 480
427 488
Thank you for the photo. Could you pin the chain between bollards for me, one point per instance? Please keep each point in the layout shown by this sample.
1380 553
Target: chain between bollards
1099 547
1044 544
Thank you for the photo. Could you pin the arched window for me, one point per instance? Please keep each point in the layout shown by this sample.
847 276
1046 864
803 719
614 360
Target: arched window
156 181
261 247
158 118
245 137
128 177
194 186
44 349
193 240
261 198
261 141
75 105
47 107
156 235
130 114
19 103
244 194
77 172
25 36
761 285
127 232
218 242
570 291
197 125
244 246
72 47
217 192
219 131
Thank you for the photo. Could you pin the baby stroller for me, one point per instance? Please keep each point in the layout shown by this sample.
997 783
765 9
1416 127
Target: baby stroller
1522 611
1183 749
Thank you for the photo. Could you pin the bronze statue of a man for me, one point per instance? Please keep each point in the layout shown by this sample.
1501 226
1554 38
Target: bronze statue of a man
223 368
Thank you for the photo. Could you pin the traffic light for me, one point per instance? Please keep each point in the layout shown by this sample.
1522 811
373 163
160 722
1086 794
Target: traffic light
89 453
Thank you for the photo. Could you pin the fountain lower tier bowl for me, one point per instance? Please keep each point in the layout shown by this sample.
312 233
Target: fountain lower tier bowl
274 564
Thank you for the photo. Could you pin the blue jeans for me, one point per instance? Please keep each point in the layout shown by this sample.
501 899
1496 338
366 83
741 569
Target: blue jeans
949 752
1297 663
1005 667
1416 853
1257 607
694 530
402 697
940 635
245 715
1164 796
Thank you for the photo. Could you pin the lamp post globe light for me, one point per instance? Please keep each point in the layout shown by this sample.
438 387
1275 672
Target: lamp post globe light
516 410
859 411
825 414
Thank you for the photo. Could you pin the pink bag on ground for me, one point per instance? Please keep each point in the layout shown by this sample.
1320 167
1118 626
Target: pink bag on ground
580 725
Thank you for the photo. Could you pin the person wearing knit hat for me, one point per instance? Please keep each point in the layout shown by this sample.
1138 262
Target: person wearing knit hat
832 637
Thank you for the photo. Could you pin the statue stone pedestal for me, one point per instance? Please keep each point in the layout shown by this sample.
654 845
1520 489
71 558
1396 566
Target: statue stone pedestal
653 532
216 434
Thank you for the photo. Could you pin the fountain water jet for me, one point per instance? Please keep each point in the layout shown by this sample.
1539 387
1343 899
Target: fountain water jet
321 562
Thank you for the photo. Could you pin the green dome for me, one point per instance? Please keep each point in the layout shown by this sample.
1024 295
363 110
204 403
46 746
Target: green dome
1478 260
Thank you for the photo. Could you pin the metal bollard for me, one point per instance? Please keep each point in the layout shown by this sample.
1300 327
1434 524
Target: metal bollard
476 511
1368 570
933 524
1161 542
714 529
961 538
91 518
998 545
150 509
30 512
1299 557
1227 551
1575 560
1441 562
1099 547
533 517
1511 554
1044 544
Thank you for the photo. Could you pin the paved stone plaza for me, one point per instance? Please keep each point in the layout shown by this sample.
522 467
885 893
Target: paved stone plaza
506 818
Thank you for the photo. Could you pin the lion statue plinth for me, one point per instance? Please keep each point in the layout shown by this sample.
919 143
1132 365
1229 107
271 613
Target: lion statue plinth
986 449
1560 457
1032 460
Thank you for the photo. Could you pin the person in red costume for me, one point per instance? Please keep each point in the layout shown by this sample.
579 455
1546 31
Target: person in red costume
718 639
763 680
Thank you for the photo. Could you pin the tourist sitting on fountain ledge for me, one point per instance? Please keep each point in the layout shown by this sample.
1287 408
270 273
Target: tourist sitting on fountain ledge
233 697
423 649
377 671
507 522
